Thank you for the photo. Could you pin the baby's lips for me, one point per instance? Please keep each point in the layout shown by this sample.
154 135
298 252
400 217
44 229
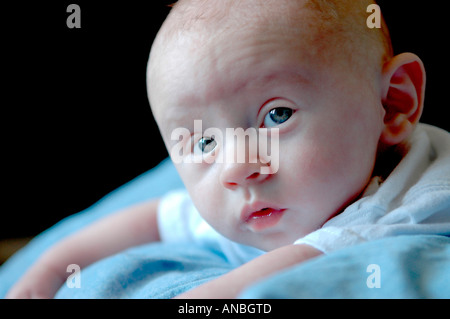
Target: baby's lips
260 215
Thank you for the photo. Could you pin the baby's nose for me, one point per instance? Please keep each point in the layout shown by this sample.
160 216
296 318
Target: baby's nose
236 175
243 164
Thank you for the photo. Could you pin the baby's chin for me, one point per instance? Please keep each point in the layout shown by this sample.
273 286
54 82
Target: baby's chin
268 243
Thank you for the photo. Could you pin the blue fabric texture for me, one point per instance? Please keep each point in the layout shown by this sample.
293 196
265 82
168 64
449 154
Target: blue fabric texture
157 271
408 266
404 267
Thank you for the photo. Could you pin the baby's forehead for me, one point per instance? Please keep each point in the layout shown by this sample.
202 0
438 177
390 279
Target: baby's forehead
191 13
192 24
338 21
196 15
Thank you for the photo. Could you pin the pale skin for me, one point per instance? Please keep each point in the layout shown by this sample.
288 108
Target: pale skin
324 96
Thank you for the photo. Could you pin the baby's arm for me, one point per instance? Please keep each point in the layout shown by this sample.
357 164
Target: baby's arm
231 284
129 227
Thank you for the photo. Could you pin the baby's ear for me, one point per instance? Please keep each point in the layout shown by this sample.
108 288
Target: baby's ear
403 81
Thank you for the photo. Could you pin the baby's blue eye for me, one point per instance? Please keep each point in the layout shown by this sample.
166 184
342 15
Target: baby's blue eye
277 116
206 144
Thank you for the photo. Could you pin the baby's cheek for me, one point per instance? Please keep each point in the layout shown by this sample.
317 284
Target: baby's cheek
313 163
321 178
207 199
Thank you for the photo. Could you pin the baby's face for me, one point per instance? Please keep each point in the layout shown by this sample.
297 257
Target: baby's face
328 115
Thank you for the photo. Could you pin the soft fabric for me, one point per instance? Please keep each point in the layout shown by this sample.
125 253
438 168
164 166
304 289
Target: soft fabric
394 267
157 271
409 267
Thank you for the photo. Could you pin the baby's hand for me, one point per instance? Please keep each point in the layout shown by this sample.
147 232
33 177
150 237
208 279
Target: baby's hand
39 282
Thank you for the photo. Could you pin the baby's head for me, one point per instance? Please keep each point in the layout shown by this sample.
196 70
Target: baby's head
326 87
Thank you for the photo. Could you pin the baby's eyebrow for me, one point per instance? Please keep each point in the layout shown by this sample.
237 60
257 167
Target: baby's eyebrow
174 122
280 75
176 117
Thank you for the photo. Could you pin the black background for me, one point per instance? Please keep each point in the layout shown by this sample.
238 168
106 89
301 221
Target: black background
76 123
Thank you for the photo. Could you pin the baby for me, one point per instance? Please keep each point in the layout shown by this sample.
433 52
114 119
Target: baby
351 159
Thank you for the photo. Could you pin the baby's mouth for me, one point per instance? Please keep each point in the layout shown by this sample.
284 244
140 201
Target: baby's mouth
264 218
261 213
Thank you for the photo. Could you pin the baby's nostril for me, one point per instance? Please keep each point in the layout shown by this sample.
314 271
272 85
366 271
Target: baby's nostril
254 175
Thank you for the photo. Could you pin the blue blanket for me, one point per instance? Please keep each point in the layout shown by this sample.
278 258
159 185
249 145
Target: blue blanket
398 267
